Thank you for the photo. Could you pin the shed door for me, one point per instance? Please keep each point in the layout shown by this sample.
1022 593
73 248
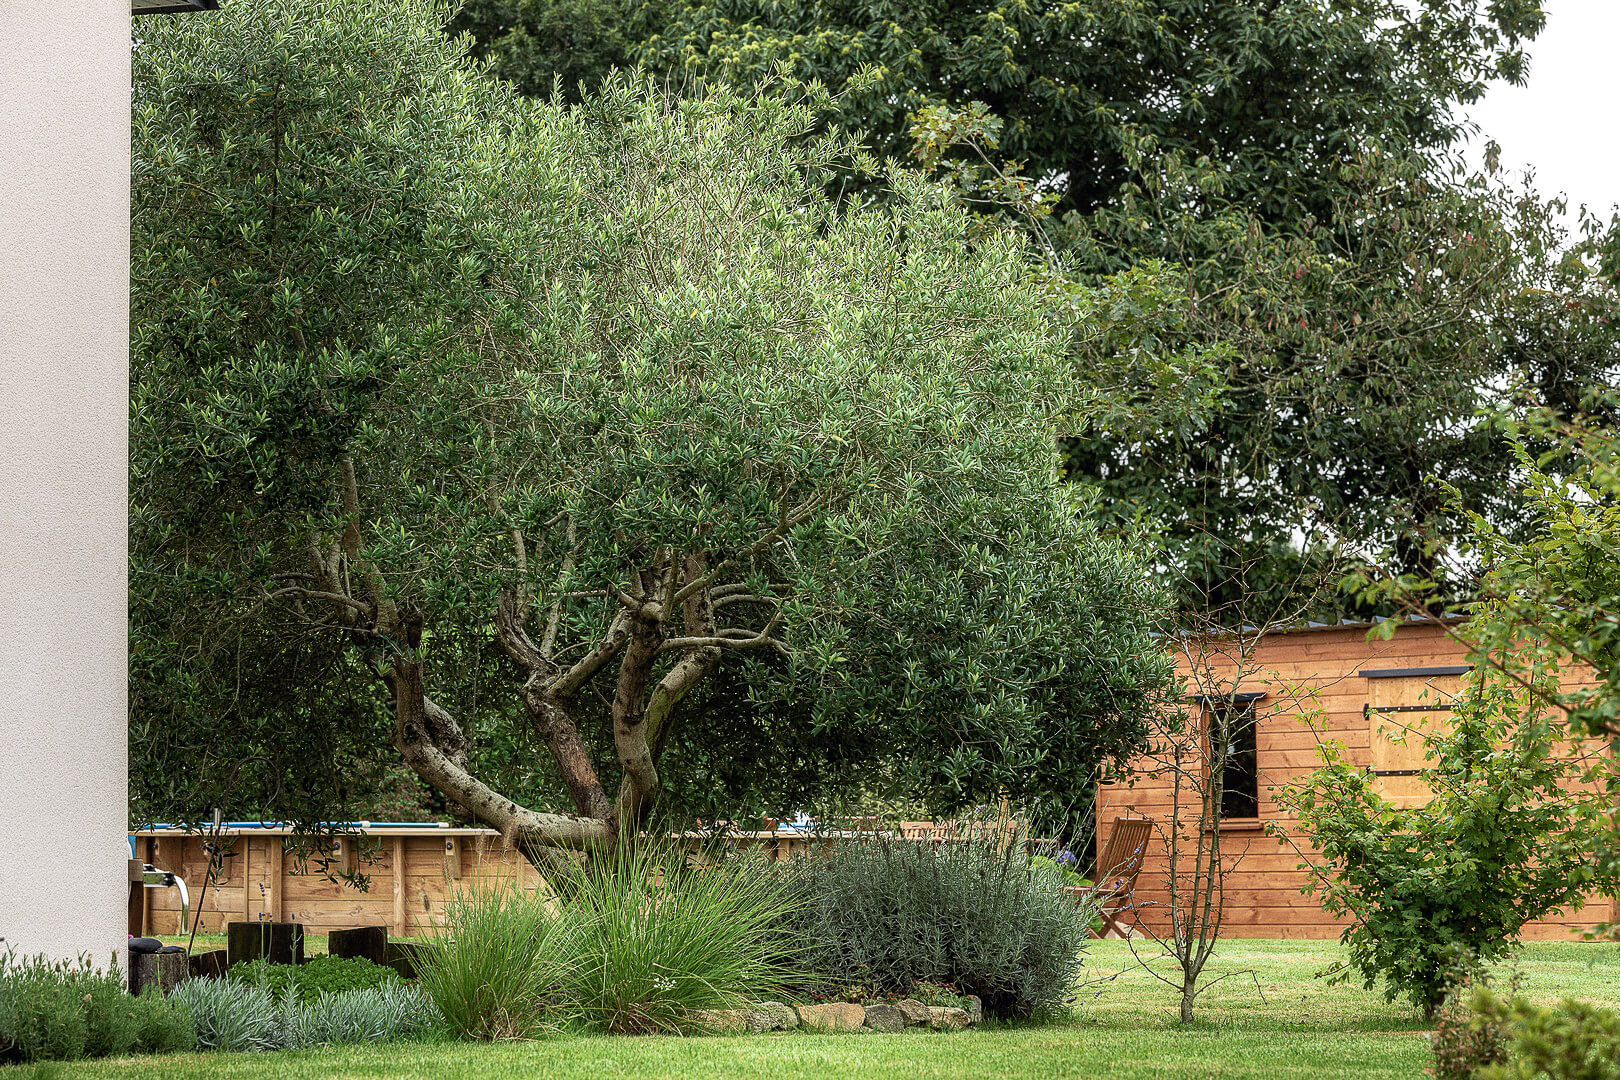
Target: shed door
1403 713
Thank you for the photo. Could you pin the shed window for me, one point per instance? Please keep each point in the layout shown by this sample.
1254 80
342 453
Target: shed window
1240 774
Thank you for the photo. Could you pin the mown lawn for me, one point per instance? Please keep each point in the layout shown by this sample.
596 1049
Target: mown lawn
1275 1021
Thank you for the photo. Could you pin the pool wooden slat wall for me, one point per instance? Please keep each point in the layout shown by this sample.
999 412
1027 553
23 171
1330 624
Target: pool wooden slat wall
266 881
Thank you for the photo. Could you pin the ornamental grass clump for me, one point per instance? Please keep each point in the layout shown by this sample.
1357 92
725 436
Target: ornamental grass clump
497 968
661 938
977 914
635 940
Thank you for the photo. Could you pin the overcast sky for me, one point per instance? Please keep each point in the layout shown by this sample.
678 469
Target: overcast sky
1565 122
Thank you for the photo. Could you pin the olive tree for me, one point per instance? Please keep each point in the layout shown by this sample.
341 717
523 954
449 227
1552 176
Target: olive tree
1296 165
558 444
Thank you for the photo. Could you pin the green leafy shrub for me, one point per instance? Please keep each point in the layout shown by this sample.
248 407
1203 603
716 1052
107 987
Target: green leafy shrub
319 975
372 1014
1574 1041
60 1010
112 1020
1435 890
1069 877
659 938
881 919
229 1014
496 969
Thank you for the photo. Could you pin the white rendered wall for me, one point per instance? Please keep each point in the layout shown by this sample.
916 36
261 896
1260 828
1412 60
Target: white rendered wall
64 340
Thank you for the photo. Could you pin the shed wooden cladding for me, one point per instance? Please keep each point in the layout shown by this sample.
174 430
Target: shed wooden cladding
263 878
1377 698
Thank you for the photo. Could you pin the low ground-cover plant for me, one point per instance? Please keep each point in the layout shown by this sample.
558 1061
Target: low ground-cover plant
229 1014
242 1015
370 1014
947 997
57 1010
883 918
319 975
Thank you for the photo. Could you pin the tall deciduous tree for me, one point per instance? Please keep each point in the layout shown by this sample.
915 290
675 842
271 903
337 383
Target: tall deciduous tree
597 435
1272 95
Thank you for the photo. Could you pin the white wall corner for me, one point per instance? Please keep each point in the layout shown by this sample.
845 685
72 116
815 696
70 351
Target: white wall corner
64 341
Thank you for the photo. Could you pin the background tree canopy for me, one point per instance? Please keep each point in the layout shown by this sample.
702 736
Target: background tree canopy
1292 164
587 453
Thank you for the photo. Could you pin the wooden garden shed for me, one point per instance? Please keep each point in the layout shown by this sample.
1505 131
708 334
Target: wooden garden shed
1307 687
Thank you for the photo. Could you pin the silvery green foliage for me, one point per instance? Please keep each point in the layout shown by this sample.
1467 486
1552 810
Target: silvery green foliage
979 915
230 1015
236 1016
357 1016
568 352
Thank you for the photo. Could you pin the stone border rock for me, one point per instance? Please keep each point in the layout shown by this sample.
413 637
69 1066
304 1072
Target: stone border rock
837 1016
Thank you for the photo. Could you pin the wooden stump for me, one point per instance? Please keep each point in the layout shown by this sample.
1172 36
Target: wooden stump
137 898
366 942
277 942
208 965
403 956
164 970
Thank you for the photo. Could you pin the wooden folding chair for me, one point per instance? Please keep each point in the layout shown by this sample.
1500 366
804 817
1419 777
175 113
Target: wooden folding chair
1117 870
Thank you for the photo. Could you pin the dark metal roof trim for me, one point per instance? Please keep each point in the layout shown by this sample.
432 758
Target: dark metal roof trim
1449 619
1414 672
